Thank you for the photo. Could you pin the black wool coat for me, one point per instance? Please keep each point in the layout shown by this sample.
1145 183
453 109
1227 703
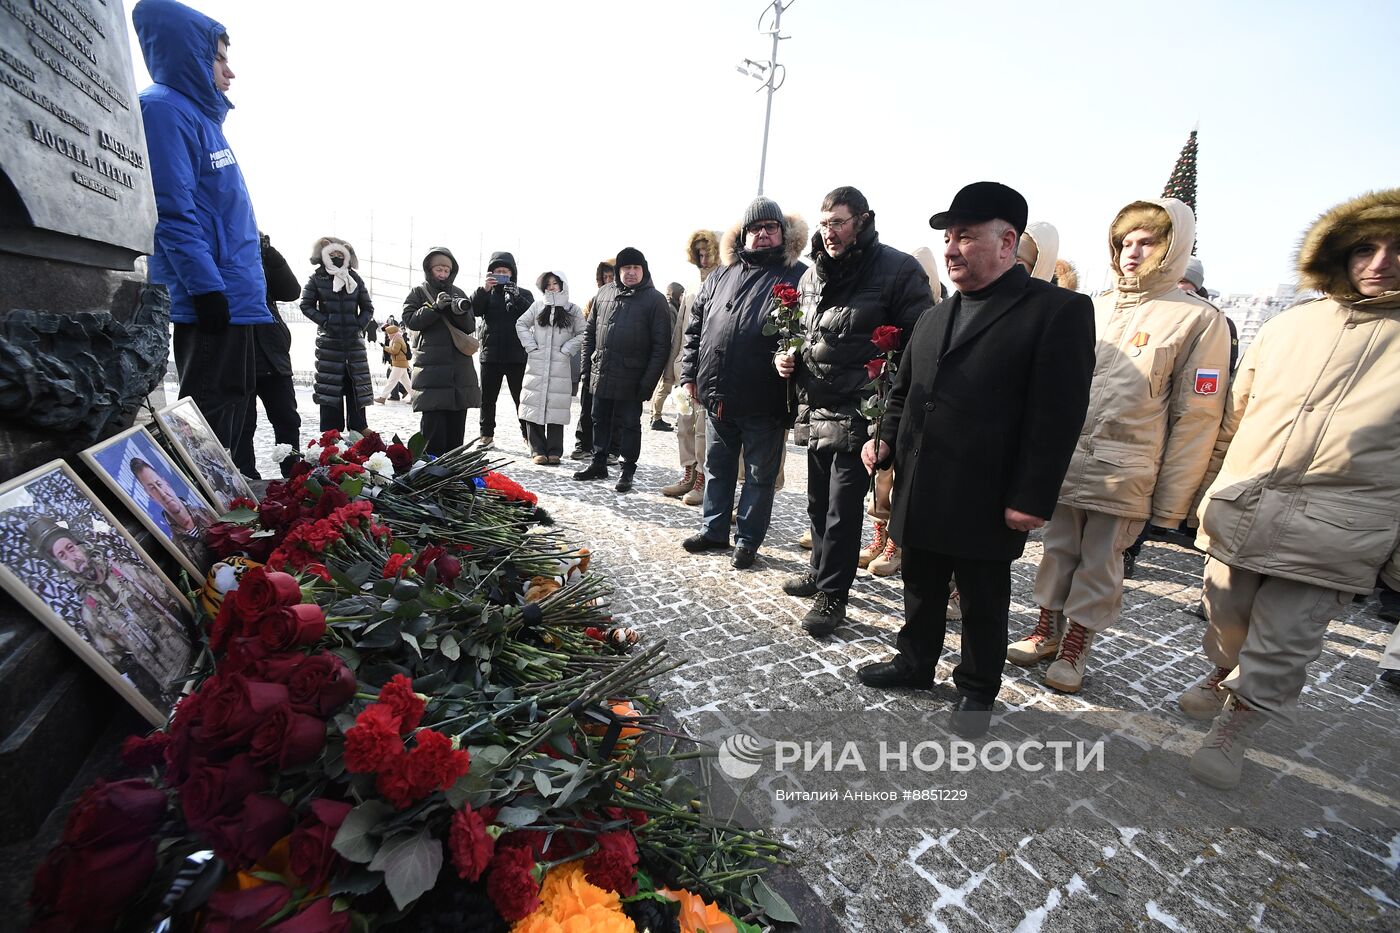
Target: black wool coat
443 378
274 341
990 422
629 340
341 321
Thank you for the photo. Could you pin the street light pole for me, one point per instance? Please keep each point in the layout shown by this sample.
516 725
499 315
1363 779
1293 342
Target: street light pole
770 72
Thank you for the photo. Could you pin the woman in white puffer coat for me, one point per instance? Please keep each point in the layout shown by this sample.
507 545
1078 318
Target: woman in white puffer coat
551 331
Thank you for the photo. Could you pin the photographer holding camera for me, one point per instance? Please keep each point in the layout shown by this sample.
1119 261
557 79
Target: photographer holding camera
498 305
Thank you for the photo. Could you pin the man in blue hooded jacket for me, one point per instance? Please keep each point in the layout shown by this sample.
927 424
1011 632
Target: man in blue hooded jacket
206 250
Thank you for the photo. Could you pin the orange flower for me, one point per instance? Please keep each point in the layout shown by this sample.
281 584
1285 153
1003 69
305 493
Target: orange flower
699 915
572 904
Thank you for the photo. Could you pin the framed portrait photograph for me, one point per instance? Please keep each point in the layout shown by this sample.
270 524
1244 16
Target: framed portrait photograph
67 560
185 427
171 507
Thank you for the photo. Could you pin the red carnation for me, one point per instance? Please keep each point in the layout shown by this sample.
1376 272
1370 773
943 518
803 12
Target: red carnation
311 854
875 367
395 784
614 865
400 457
141 752
471 845
434 764
328 454
341 470
406 705
328 437
373 742
395 565
885 338
243 502
318 570
511 883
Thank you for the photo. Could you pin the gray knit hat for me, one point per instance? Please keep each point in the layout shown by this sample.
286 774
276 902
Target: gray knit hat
1195 272
761 209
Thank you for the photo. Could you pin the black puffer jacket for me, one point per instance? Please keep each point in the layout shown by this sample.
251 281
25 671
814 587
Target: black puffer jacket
341 319
726 353
497 311
843 301
274 341
443 378
628 339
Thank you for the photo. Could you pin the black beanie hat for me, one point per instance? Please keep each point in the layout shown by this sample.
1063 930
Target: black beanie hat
630 256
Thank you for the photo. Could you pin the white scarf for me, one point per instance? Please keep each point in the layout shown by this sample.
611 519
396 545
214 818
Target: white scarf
340 275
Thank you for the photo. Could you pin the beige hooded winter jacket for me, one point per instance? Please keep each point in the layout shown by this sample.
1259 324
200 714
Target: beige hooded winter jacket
1161 365
1305 481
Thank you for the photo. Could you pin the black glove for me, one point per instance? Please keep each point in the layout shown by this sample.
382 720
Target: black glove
211 312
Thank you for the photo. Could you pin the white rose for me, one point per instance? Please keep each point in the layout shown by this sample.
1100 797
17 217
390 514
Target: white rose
381 464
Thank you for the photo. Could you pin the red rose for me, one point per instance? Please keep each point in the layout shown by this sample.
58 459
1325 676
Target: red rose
312 856
614 865
321 684
400 457
216 790
109 813
184 722
226 539
471 845
369 443
875 367
885 338
285 627
85 889
511 884
408 706
331 499
286 739
320 917
226 625
243 838
235 705
434 764
594 632
426 557
373 742
260 590
278 514
786 295
395 565
245 655
243 502
141 752
243 910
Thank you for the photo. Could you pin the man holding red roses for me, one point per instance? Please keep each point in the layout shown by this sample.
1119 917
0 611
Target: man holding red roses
857 284
729 340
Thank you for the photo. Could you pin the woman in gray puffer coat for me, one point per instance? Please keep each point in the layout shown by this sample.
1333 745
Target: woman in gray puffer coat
551 330
336 300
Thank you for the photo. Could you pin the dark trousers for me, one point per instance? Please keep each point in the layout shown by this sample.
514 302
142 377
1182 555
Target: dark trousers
583 434
546 440
347 412
984 589
217 371
622 416
443 431
836 485
492 374
760 439
279 398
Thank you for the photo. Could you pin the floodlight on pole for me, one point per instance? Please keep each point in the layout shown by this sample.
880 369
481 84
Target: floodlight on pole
770 73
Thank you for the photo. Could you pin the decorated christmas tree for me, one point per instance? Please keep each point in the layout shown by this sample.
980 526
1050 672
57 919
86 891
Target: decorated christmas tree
1182 184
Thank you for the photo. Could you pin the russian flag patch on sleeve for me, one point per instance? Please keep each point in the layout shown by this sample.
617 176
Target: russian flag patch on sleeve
1207 381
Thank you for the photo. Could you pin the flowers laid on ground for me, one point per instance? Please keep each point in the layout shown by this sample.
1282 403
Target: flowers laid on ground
416 715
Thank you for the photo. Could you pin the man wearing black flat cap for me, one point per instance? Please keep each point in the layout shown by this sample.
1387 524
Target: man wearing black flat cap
984 415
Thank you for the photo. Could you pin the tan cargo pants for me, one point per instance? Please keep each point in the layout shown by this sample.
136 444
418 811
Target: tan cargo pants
1390 661
1081 570
1267 630
690 433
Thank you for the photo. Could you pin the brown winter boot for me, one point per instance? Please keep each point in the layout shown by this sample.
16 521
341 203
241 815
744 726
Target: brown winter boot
876 547
1220 759
681 486
1067 673
1206 699
1043 641
805 541
887 564
697 490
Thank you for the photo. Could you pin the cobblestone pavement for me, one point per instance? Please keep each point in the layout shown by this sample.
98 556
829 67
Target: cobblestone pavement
745 651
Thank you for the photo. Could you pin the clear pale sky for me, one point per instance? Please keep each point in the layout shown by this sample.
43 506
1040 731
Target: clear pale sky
563 131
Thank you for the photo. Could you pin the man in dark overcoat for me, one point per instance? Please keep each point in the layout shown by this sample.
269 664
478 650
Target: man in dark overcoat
984 414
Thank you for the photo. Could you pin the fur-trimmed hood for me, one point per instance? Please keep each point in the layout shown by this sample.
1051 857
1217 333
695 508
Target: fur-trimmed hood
707 242
1169 217
794 239
1322 256
318 248
607 265
1047 249
1066 276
